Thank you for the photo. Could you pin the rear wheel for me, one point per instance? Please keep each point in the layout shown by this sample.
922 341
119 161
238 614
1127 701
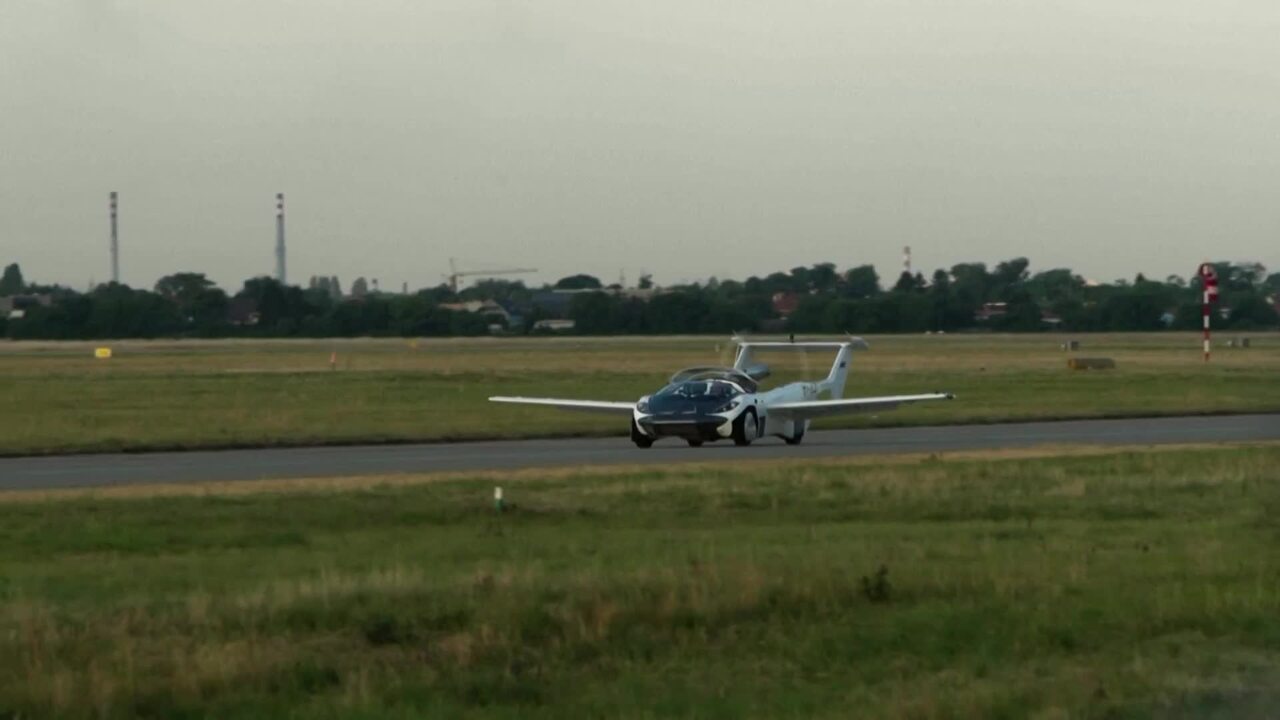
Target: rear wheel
694 443
745 428
640 439
794 439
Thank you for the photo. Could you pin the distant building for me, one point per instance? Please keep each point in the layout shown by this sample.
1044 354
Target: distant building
785 303
488 308
15 307
553 326
1053 320
243 312
554 304
990 311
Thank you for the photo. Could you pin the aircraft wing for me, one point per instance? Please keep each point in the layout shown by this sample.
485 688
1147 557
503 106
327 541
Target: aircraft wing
808 409
600 406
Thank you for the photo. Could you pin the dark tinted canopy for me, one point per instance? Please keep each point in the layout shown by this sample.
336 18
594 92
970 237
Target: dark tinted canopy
704 374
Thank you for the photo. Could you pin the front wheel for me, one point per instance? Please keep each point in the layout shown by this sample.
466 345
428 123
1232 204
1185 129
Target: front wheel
694 443
640 439
745 428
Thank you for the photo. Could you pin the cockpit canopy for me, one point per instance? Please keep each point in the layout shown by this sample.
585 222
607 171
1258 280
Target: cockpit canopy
729 376
700 390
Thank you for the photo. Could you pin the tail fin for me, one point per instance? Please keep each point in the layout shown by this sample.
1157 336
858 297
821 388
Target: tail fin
834 384
835 380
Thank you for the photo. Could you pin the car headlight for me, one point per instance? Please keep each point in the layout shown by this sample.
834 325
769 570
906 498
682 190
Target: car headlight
728 406
643 405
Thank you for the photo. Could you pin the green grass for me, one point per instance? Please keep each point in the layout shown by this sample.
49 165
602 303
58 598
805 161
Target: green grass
56 398
1109 585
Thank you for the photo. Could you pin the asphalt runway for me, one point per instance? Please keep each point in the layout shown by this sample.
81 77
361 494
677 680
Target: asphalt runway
80 471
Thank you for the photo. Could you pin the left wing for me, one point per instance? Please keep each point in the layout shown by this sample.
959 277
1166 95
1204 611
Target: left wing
807 409
620 408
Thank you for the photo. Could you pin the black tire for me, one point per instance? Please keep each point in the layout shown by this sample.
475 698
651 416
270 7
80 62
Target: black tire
794 439
694 443
746 428
640 439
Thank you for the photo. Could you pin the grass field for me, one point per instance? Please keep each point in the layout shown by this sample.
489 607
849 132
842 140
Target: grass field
1096 584
54 397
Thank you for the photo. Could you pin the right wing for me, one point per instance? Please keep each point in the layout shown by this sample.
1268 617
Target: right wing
809 409
619 408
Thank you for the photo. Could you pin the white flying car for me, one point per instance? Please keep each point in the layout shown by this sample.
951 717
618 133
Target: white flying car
704 404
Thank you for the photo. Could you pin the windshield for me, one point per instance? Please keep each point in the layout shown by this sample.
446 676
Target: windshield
700 390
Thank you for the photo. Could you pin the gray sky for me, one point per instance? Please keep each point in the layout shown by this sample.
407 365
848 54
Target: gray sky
686 138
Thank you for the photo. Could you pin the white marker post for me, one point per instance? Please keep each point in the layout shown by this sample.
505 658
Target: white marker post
497 499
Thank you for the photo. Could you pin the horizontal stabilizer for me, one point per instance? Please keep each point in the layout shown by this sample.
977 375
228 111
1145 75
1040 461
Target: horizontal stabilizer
856 343
809 409
600 406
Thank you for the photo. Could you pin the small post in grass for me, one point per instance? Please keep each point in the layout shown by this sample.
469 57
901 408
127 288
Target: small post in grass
1209 283
497 499
333 360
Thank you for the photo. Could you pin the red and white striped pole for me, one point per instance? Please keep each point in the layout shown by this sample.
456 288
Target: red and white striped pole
1208 281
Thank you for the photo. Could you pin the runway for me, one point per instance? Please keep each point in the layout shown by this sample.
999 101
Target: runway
81 471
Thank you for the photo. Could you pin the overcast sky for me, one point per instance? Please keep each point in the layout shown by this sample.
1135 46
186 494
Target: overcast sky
689 139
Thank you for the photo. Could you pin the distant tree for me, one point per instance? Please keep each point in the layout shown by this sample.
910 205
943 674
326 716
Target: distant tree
1248 274
646 281
118 311
182 289
441 293
971 282
359 288
861 282
780 282
1009 278
903 311
1012 272
823 277
507 292
578 282
1057 285
1022 312
1251 310
282 309
685 311
595 313
1272 283
11 283
909 283
208 311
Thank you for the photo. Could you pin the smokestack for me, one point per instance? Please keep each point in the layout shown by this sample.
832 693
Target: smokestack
906 259
115 239
281 274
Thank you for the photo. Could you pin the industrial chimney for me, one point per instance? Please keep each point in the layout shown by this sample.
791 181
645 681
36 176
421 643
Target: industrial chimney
281 275
115 239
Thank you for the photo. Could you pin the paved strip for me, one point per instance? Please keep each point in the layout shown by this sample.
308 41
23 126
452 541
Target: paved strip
79 471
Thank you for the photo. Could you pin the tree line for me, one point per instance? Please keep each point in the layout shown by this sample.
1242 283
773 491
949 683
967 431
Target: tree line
814 299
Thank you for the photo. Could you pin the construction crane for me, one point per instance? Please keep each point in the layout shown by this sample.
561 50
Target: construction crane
455 273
